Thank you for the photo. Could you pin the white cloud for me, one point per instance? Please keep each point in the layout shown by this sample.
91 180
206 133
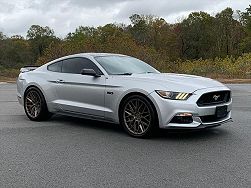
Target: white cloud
65 15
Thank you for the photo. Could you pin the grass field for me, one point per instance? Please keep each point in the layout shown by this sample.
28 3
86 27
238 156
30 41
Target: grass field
226 70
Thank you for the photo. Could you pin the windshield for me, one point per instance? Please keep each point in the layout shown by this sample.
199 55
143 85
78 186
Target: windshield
119 65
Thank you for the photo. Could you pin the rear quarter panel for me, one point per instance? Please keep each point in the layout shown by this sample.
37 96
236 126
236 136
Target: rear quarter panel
39 79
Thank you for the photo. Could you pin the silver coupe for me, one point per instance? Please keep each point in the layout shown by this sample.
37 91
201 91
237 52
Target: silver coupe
123 90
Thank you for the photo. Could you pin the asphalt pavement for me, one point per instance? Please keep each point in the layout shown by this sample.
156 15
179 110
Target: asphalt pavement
73 152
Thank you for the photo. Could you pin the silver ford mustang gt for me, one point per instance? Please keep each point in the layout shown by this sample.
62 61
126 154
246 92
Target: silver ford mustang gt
122 90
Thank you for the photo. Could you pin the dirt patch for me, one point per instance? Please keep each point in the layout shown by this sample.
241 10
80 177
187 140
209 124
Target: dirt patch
235 81
8 80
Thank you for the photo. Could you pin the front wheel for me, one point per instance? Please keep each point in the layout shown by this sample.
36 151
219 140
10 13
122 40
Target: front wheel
35 105
138 116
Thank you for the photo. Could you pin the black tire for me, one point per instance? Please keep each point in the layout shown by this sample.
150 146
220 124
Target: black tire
138 124
37 105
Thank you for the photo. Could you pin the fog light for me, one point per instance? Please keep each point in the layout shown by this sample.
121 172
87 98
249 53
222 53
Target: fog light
183 118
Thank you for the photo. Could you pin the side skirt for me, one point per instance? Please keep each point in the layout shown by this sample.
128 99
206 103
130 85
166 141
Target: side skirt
84 116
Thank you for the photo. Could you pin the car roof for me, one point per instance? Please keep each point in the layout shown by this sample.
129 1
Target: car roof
93 55
102 54
86 55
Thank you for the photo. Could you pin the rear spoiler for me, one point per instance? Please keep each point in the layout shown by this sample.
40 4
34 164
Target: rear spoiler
28 68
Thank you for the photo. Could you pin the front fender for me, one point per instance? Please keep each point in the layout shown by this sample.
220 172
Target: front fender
135 90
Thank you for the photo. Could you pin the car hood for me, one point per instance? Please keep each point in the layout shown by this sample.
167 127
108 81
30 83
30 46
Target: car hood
177 82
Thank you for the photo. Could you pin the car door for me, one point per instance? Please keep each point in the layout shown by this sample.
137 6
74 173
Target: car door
77 93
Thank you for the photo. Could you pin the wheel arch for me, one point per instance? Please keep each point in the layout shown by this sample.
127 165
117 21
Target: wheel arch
37 87
153 104
44 113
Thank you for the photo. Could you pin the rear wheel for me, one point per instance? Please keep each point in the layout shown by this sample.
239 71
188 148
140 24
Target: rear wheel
138 116
35 105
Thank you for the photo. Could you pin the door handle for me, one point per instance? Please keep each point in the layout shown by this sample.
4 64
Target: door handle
59 81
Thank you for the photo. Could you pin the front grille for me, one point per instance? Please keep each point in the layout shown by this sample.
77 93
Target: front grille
213 98
212 118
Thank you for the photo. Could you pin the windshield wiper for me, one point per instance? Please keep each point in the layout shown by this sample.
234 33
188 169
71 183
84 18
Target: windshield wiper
126 73
150 72
146 72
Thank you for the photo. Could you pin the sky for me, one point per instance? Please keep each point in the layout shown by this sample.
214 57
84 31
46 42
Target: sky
64 16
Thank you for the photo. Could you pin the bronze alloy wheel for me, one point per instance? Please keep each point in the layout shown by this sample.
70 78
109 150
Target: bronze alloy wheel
138 116
35 105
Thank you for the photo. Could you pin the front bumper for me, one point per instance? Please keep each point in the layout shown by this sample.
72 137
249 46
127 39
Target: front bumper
198 124
20 99
168 109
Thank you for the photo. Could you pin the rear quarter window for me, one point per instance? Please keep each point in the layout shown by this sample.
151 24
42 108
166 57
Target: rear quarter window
55 67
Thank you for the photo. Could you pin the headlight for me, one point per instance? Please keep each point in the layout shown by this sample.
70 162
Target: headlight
174 95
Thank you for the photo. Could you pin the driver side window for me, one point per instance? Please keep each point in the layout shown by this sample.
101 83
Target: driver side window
76 65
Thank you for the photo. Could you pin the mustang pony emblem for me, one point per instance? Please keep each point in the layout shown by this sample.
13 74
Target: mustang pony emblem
215 97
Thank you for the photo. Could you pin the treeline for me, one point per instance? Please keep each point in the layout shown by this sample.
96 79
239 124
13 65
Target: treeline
201 36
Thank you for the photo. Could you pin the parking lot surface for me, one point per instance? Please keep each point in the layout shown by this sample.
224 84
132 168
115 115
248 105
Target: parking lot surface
73 152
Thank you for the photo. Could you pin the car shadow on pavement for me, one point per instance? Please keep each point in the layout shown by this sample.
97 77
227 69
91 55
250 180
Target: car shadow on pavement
160 134
191 134
87 123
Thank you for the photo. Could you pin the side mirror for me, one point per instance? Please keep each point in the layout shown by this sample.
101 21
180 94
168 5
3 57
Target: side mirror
89 72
